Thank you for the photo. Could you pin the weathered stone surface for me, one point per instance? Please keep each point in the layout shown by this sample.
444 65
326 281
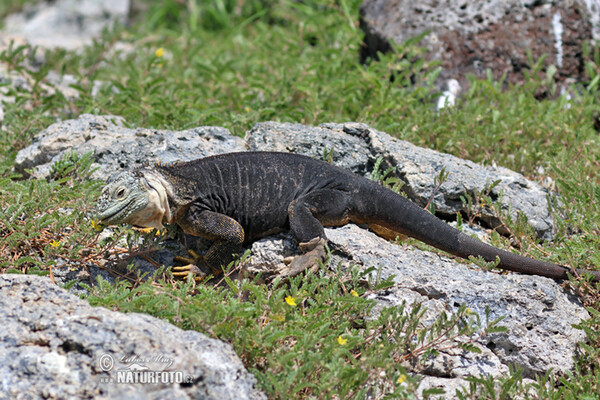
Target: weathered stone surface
55 345
537 311
356 147
20 80
115 147
349 151
471 36
449 385
70 24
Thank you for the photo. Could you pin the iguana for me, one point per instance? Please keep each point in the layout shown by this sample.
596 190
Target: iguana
233 199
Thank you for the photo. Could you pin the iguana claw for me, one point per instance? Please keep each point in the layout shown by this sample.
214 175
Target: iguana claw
183 271
314 251
190 260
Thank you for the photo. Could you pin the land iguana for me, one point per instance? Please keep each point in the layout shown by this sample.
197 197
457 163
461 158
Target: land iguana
233 199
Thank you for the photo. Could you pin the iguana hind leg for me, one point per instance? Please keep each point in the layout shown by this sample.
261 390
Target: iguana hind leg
307 261
307 215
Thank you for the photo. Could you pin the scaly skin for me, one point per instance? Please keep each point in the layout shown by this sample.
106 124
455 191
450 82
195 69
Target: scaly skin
236 198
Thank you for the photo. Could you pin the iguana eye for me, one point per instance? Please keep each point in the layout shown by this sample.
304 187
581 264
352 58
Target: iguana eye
121 192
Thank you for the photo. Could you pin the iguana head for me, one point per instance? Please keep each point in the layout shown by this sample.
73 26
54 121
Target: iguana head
138 197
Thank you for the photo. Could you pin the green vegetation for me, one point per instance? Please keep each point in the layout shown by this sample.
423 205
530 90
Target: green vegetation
233 64
313 338
10 6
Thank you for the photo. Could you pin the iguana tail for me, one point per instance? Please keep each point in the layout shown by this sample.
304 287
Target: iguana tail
384 208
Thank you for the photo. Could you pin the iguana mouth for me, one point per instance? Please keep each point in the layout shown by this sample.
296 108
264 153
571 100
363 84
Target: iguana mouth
104 218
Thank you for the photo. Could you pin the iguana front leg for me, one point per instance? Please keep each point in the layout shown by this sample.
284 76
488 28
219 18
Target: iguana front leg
225 232
307 215
191 266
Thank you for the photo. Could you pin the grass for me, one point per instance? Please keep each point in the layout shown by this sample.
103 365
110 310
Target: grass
233 64
12 6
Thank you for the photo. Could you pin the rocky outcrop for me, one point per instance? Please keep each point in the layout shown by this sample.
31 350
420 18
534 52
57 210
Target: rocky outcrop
69 24
21 82
116 147
55 345
355 146
471 36
537 311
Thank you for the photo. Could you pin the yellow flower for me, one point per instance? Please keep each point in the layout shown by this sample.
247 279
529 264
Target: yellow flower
159 52
291 301
96 225
401 379
54 243
353 293
341 341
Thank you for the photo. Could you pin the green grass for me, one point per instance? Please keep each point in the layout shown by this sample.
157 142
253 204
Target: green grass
234 65
11 6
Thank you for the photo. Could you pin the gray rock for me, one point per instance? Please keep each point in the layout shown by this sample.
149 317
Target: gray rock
55 345
69 24
449 385
349 151
470 36
537 311
268 253
115 147
356 147
20 81
451 362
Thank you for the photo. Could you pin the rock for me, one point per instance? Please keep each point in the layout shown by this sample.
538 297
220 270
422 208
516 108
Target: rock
448 385
115 147
356 147
471 36
21 80
454 387
349 151
537 311
69 24
56 345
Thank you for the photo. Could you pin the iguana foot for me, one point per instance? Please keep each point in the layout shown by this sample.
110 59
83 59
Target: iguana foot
189 260
181 272
314 251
